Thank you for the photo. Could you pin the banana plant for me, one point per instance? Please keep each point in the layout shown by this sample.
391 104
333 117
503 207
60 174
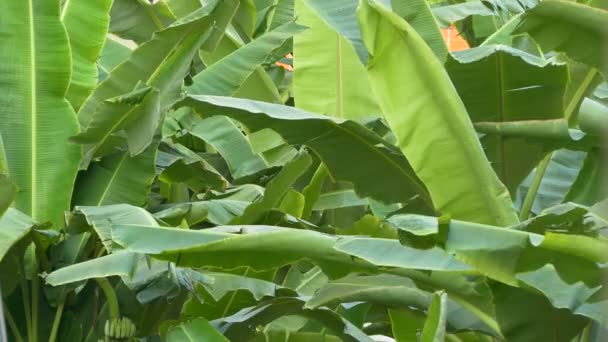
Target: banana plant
164 175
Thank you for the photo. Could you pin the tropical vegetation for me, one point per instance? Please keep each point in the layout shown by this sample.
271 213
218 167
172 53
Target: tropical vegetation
166 173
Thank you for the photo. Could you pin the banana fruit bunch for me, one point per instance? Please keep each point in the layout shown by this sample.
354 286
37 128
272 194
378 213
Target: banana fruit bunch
119 329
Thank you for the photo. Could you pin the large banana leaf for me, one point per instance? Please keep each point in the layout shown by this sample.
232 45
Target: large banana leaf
430 121
36 120
227 75
164 61
340 15
498 83
328 75
518 258
161 63
86 23
385 174
577 29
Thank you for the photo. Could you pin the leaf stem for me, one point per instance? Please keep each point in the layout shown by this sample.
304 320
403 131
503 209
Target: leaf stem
11 323
57 321
526 207
25 297
111 299
35 300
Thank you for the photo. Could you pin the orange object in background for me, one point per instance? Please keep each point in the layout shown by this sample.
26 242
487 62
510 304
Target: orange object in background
451 36
453 39
284 65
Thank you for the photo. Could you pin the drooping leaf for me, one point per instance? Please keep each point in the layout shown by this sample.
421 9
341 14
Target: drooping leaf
259 247
100 219
501 84
119 264
86 23
195 330
430 121
577 29
14 225
227 75
36 120
329 78
339 144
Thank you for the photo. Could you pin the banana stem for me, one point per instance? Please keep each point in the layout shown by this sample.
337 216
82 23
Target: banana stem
111 299
11 323
57 321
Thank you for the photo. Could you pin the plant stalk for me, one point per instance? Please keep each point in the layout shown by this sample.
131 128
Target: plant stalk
526 207
57 321
111 299
11 323
35 300
25 297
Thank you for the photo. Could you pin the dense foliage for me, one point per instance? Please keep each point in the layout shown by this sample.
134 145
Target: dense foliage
166 174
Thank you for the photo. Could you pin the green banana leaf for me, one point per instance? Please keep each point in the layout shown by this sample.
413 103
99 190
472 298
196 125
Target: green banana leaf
112 55
340 144
328 75
226 137
225 76
195 330
86 23
434 326
277 188
8 192
563 170
118 178
258 85
340 16
14 226
575 28
36 120
137 20
418 14
430 121
498 83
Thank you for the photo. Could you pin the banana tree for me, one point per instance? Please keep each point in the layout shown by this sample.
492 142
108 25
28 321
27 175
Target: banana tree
162 178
